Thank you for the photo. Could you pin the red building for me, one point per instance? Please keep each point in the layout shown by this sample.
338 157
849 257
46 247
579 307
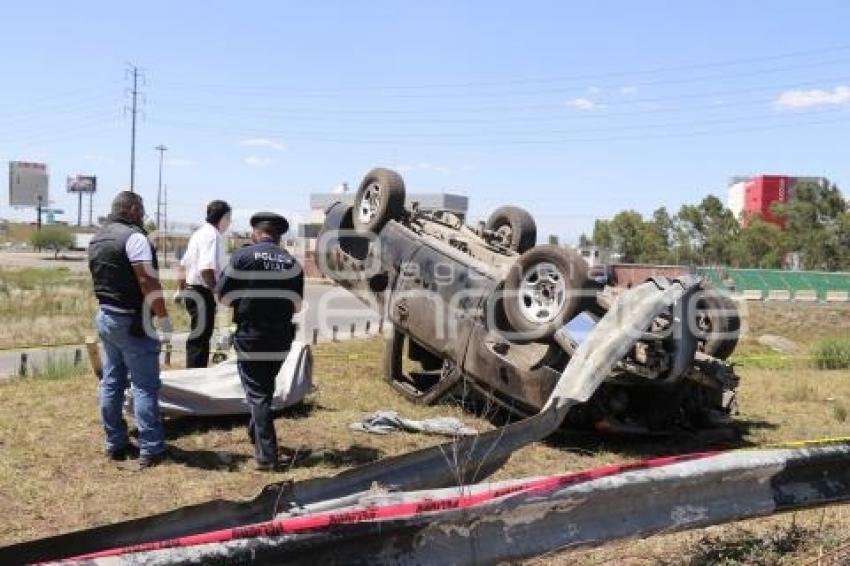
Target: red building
751 196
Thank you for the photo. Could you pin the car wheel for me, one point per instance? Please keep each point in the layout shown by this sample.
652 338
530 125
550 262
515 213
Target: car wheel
379 199
718 324
542 292
515 226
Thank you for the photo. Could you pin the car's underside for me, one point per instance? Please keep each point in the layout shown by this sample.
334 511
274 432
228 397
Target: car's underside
483 311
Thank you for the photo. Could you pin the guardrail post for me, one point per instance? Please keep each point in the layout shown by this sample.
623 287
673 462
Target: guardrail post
334 330
22 371
78 356
315 336
381 325
368 324
353 328
94 356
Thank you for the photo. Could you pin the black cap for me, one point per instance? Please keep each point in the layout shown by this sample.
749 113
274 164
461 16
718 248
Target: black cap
272 220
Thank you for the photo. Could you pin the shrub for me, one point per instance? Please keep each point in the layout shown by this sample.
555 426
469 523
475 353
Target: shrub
56 238
831 353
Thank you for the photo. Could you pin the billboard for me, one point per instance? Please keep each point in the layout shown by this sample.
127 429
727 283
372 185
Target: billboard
27 182
81 184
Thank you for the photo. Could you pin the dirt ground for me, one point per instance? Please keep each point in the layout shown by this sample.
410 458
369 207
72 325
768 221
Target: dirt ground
54 477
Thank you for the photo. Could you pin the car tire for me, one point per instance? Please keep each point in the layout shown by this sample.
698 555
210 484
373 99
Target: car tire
719 326
542 292
517 225
379 199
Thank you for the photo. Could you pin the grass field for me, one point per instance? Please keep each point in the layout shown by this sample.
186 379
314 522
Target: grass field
52 306
54 478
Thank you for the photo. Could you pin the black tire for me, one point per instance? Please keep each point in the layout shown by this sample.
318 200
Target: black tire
517 224
562 265
719 326
386 187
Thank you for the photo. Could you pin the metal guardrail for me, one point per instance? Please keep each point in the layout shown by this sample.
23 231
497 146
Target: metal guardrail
517 519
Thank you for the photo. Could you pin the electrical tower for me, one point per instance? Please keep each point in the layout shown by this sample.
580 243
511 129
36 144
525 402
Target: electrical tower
135 74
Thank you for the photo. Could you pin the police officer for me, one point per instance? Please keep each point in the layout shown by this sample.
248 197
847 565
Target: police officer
265 286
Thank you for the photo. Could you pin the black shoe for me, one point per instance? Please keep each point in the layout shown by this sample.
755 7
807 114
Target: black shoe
128 452
149 461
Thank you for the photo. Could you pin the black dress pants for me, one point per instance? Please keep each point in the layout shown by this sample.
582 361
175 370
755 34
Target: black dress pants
259 359
200 304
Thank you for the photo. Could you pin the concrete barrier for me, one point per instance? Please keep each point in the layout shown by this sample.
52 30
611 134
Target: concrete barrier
779 295
806 295
752 294
837 296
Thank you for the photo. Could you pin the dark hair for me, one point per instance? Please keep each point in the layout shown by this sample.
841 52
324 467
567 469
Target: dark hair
216 211
123 202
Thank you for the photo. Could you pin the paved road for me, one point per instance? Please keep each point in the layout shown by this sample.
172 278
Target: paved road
325 306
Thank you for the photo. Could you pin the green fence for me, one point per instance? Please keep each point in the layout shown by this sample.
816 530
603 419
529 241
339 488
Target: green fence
797 283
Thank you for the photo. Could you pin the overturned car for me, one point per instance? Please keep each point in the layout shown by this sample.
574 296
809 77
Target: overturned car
484 309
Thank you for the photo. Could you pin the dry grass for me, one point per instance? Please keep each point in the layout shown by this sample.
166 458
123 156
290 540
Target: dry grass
52 306
53 477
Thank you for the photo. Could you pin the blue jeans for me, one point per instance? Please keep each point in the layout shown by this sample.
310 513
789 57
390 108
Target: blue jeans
138 356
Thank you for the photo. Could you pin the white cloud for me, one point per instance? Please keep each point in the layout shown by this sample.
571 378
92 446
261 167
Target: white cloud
628 89
815 97
584 104
256 161
263 142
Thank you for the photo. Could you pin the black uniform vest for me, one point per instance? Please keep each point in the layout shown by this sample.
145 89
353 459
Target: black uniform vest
115 284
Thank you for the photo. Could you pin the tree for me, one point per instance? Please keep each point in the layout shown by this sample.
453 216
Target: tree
602 234
554 240
814 220
759 244
56 238
657 237
706 231
627 235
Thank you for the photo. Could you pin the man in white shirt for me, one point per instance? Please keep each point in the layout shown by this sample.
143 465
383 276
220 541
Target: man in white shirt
198 275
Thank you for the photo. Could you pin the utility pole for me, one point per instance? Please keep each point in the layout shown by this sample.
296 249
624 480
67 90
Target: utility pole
38 212
133 73
165 226
161 149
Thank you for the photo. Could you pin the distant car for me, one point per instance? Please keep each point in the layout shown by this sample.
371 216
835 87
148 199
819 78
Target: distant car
484 308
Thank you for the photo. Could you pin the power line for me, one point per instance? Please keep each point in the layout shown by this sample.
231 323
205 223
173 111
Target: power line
551 79
527 107
361 139
491 93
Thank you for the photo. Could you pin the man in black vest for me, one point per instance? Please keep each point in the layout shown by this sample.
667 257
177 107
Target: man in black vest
123 266
265 286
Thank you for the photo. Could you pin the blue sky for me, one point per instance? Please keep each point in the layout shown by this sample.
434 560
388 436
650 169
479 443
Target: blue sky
574 110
